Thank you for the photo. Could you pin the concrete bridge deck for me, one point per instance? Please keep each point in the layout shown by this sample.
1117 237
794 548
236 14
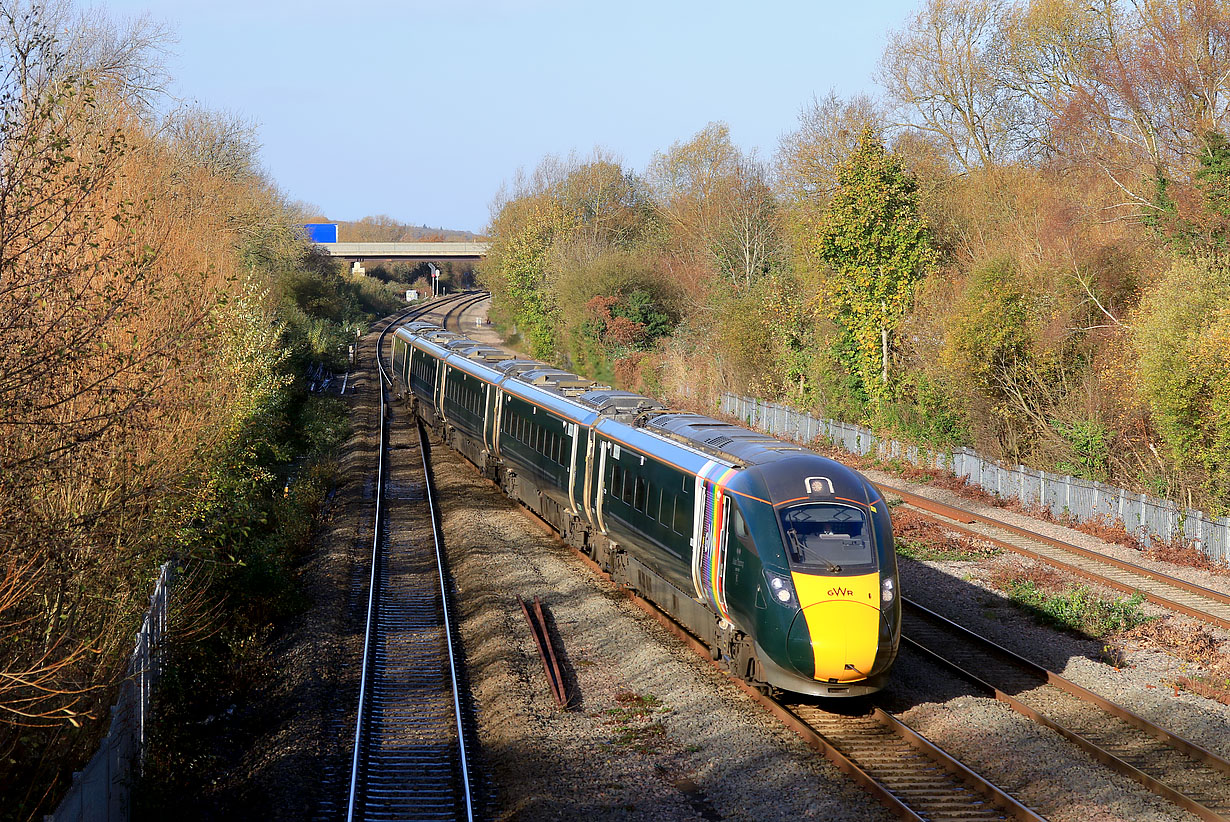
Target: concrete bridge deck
406 251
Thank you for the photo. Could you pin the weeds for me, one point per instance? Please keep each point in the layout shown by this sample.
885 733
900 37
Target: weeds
635 727
1180 551
1193 644
1110 529
1079 608
918 537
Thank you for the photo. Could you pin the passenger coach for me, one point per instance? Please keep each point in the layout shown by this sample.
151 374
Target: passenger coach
779 559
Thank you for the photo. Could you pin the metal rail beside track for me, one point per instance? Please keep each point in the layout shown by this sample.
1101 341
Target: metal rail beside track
410 758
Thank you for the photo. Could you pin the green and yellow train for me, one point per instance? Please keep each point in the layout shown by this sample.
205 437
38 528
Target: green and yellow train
779 559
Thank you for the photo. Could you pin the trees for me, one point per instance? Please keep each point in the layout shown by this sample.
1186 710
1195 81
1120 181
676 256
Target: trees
1181 334
139 348
877 247
720 209
943 68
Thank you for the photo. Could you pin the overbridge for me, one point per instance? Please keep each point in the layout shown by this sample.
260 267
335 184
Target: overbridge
406 251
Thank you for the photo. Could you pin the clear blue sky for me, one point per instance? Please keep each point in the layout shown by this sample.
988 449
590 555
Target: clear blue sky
420 110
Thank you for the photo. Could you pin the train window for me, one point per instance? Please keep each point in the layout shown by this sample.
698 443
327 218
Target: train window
641 495
628 487
683 516
616 484
656 506
830 538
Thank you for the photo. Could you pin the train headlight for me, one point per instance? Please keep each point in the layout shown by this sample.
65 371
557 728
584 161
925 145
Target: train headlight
887 590
780 588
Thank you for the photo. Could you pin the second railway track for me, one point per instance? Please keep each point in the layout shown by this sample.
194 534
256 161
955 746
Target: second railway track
1172 767
1204 604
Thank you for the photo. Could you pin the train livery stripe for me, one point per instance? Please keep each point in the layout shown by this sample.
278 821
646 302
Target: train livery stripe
709 554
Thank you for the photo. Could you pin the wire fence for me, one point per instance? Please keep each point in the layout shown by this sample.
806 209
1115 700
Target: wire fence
101 792
1062 495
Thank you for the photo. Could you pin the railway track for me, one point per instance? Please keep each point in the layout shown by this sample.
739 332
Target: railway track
910 775
410 757
1204 604
1172 767
914 778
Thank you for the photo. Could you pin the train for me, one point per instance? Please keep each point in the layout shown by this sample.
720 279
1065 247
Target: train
780 560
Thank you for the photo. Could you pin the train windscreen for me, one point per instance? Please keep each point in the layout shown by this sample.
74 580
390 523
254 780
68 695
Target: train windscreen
828 539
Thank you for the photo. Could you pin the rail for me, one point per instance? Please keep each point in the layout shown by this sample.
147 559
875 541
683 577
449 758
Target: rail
1170 592
965 796
1183 772
373 612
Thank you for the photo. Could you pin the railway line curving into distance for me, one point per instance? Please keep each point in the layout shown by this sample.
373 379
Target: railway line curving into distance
908 774
411 751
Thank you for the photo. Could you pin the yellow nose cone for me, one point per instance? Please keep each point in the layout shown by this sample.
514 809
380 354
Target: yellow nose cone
842 616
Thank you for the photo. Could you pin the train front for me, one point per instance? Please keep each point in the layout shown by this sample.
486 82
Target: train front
833 618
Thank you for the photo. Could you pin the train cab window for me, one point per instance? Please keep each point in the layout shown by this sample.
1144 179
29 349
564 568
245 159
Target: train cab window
827 538
740 523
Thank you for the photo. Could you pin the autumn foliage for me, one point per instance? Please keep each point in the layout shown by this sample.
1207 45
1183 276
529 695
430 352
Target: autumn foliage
1020 245
149 349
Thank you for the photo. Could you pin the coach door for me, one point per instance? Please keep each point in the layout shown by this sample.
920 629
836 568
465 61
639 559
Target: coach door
597 479
709 538
497 420
441 376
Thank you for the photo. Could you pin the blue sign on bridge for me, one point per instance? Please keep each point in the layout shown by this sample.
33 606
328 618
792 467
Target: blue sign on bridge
321 232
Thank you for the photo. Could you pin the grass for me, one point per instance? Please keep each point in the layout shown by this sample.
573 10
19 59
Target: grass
921 550
1078 608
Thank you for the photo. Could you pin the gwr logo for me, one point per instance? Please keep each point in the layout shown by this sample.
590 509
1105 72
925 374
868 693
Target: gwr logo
840 592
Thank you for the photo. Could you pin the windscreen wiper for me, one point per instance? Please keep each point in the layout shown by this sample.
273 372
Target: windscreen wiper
799 550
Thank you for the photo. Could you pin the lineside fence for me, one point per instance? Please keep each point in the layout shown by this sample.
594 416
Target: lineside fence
101 792
1083 499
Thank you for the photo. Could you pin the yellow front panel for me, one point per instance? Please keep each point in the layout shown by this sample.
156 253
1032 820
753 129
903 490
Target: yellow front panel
843 618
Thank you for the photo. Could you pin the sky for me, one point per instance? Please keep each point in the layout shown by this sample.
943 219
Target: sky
421 110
